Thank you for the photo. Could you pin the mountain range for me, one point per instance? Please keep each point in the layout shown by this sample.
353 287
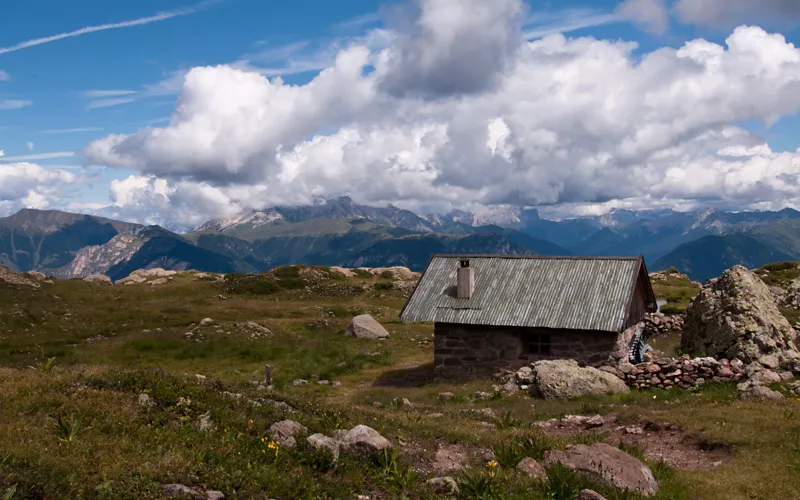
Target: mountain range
342 232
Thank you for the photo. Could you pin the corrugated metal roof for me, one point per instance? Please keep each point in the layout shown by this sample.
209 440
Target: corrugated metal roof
531 291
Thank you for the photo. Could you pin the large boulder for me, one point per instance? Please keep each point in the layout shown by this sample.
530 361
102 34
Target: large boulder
366 327
606 464
563 379
735 316
364 440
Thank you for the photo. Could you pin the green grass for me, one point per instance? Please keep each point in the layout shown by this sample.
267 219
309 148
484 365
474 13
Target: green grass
73 428
676 289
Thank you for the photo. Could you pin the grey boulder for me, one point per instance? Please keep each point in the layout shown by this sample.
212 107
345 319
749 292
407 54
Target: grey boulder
366 327
606 464
564 379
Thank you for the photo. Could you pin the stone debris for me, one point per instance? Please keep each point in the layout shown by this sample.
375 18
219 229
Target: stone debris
658 324
206 322
145 400
286 431
180 490
366 327
754 390
204 422
684 372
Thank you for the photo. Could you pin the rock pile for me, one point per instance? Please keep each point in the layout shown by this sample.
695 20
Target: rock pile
683 372
735 316
658 324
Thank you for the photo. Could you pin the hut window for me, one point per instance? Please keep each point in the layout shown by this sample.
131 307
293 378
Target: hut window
536 343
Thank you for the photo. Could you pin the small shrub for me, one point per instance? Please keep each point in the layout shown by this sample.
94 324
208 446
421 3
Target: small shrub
506 421
9 494
387 275
507 455
562 483
477 486
387 460
383 286
287 272
360 273
321 459
69 427
44 366
535 446
590 408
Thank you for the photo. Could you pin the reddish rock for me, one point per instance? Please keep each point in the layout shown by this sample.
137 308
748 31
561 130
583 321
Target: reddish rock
607 464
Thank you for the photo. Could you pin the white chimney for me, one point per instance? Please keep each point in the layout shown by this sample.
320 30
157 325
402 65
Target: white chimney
465 284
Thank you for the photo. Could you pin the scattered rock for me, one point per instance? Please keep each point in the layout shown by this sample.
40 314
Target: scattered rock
366 327
563 379
444 485
524 375
145 400
589 495
214 495
98 279
179 490
160 281
532 469
363 440
206 322
204 422
285 429
483 395
299 382
753 390
607 464
321 441
734 316
446 396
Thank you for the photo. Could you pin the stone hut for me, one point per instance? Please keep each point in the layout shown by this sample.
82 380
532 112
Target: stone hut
504 311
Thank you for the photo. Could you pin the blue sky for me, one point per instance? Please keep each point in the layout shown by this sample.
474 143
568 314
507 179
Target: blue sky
58 95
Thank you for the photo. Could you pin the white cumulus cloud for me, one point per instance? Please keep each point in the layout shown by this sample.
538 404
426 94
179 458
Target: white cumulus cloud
651 15
557 121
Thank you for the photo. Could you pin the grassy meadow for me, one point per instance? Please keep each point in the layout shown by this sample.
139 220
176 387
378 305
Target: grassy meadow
75 358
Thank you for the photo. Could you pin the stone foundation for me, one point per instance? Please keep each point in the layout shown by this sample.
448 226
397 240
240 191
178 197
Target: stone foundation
473 350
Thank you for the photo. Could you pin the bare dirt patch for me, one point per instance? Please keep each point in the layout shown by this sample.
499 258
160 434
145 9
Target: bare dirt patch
657 440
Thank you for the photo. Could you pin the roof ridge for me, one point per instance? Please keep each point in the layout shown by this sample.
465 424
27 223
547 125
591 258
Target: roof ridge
535 257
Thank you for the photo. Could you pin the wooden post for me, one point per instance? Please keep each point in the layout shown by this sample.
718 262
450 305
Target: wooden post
267 375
